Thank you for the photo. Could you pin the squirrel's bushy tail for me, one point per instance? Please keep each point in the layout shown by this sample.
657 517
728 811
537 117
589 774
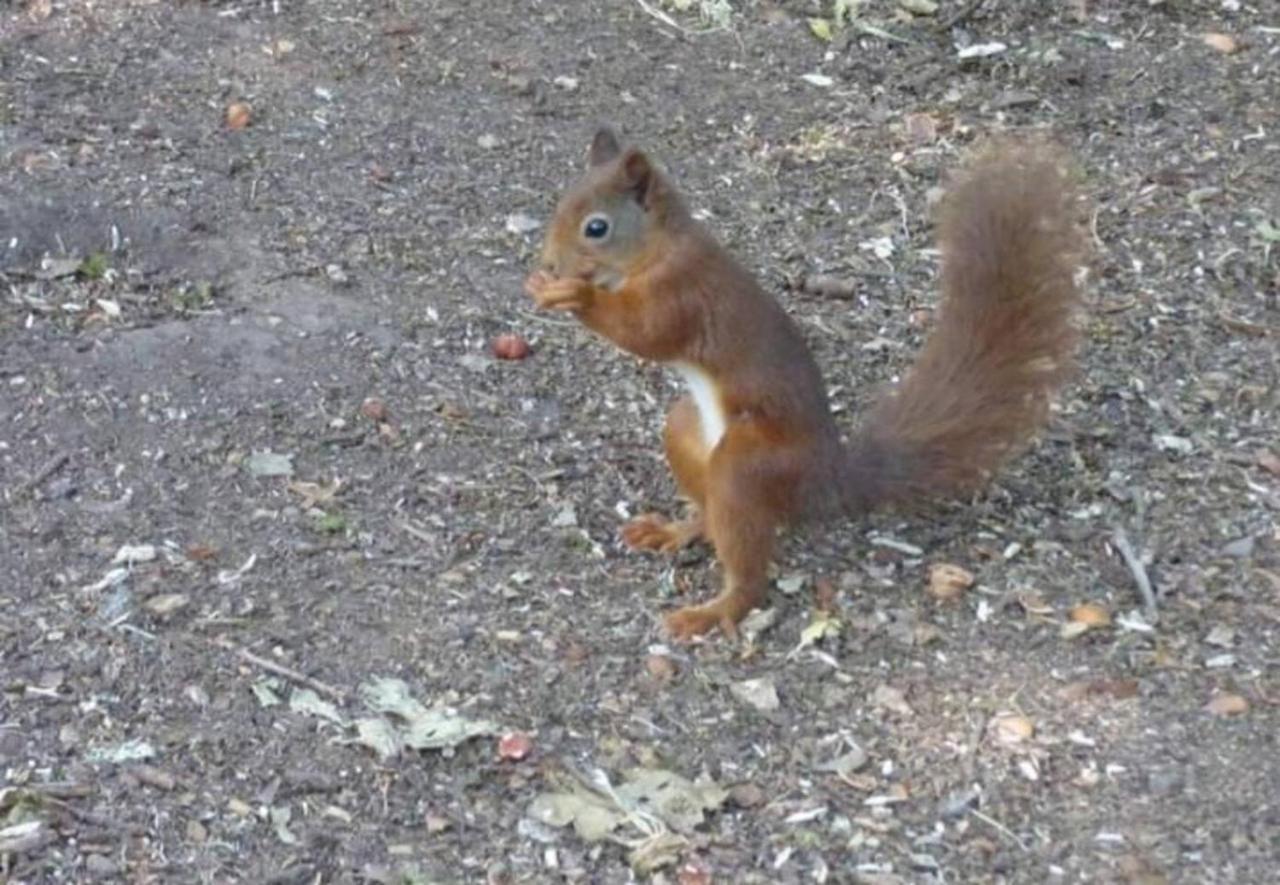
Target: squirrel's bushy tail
1003 341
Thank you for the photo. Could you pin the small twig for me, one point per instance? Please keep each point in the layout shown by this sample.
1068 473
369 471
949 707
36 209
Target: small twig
420 534
661 16
62 789
280 669
406 562
670 22
961 14
1121 542
999 827
52 466
88 817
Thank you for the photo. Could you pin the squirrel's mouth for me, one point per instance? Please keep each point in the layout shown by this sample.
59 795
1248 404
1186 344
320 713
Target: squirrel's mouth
606 278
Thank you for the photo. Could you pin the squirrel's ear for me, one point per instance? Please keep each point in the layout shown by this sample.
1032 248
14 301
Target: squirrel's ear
604 147
637 176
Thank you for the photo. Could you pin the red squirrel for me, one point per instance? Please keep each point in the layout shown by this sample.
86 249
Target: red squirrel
754 445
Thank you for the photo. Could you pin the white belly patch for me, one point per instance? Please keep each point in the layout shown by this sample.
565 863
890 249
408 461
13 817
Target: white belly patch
707 399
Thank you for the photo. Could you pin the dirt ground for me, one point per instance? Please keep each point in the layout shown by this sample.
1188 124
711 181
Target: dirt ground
183 300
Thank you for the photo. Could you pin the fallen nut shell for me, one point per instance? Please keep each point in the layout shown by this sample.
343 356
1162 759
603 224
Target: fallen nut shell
510 346
239 115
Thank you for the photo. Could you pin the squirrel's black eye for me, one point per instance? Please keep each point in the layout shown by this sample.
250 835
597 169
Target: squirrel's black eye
596 228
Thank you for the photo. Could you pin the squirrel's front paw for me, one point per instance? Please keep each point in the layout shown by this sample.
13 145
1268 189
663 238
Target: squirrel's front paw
559 293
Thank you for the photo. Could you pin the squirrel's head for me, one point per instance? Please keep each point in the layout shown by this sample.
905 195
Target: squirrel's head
610 222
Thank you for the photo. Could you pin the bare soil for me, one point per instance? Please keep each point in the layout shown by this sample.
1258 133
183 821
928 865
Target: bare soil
179 295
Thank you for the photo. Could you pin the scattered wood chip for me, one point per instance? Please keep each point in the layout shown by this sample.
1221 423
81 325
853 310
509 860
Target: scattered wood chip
981 50
948 582
1091 614
201 553
891 699
1012 728
1227 705
921 128
1117 689
1222 636
661 668
828 286
1223 43
164 604
597 809
1034 604
154 777
846 764
919 7
759 693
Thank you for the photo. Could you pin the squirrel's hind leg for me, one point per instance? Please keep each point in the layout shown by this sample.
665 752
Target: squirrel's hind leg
689 457
752 482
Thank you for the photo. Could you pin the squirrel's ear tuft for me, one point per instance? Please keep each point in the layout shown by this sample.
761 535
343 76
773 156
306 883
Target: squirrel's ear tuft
604 147
637 176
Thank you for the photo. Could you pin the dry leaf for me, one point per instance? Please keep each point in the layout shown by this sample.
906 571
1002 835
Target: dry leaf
1091 614
1012 728
822 626
948 581
1221 42
1073 630
314 493
1222 636
1034 604
1227 705
759 693
891 699
821 29
921 128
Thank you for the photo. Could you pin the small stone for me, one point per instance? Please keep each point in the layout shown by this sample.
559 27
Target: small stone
374 409
1165 782
164 604
660 668
1241 548
101 865
1222 636
746 795
196 832
958 803
758 693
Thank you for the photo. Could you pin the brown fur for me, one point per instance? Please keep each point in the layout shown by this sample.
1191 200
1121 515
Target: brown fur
662 288
1003 342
